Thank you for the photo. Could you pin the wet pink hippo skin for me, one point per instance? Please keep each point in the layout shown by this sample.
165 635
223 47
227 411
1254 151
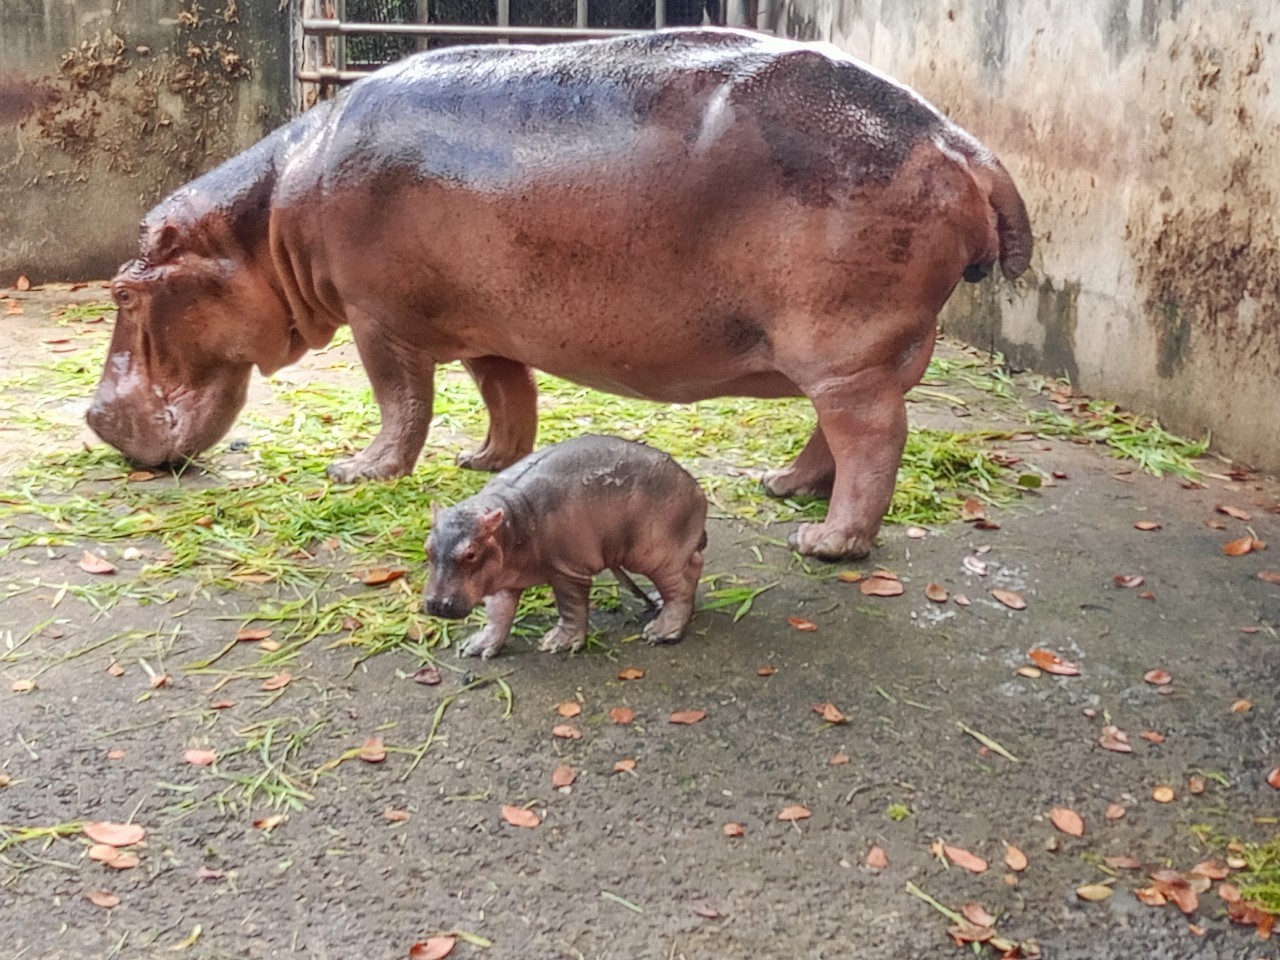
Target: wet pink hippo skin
676 216
560 516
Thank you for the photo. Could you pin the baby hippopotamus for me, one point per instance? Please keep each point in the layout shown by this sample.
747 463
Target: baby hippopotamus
560 516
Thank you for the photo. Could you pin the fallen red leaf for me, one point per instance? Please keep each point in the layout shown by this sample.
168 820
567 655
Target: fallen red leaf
1010 598
963 933
520 817
1158 678
1235 512
838 759
1163 794
22 284
1241 706
972 509
977 914
794 813
267 824
433 948
102 898
93 563
1127 581
1213 869
1238 547
278 682
1153 736
766 671
688 716
1014 858
963 858
706 912
880 586
1068 821
114 669
877 859
393 815
1147 525
565 731
625 765
631 673
1229 893
427 676
563 776
252 633
1269 576
380 575
114 834
1114 811
1050 662
208 873
622 715
569 709
373 750
1113 738
1122 862
1151 896
936 592
803 625
830 712
1197 784
200 758
734 830
1273 778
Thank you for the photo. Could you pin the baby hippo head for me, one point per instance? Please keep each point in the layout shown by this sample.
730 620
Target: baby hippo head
465 557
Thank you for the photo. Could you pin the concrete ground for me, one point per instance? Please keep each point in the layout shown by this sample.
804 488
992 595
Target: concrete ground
949 744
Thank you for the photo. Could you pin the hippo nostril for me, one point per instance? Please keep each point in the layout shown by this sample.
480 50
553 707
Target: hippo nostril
447 607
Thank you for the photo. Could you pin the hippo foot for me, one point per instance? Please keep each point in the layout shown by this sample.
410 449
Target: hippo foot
790 483
826 543
486 459
485 644
560 640
656 632
366 467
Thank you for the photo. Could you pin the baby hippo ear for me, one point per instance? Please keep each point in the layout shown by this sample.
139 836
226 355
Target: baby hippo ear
490 521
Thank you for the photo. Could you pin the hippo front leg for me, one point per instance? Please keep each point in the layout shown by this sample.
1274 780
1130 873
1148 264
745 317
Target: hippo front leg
573 602
863 417
403 379
500 614
511 397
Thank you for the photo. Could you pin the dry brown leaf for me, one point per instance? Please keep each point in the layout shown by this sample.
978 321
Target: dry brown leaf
1151 896
1197 784
1215 525
1147 525
91 562
427 676
1094 892
936 592
22 686
766 671
247 634
1068 821
159 680
565 731
622 715
267 824
687 717
803 625
1235 512
102 898
114 669
963 858
734 830
972 509
115 754
1014 858
222 704
1127 581
1241 706
1269 576
380 575
114 834
1163 794
568 709
373 750
200 758
278 682
1050 662
432 948
520 817
849 576
794 813
631 673
123 860
22 284
830 712
1273 778
1152 736
1158 678
394 815
1010 598
1032 673
102 852
877 859
1113 738
1213 869
563 776
879 586
960 600
975 566
1238 547
705 911
963 933
625 765
1122 862
838 759
1114 811
1229 893
977 914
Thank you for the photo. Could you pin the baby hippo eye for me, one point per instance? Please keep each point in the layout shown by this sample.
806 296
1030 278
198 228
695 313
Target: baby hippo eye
468 556
123 296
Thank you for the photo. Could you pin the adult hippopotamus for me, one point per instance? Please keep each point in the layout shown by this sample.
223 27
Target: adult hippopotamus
675 216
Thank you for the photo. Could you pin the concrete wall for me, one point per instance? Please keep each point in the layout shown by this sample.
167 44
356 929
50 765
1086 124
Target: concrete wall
107 105
1145 137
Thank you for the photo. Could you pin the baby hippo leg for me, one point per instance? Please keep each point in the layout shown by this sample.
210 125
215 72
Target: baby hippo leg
573 601
500 610
678 585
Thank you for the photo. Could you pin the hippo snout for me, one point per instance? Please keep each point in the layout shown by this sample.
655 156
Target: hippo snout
451 608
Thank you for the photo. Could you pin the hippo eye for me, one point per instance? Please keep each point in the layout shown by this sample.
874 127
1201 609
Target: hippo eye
124 296
468 555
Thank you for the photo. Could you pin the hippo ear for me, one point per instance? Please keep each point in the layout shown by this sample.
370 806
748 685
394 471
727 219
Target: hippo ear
163 246
490 521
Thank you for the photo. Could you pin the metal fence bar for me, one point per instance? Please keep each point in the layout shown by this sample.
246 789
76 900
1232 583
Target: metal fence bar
580 14
339 41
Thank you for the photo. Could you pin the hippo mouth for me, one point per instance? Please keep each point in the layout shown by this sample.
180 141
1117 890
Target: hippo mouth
450 608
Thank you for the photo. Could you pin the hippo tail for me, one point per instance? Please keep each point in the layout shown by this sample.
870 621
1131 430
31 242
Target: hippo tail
1013 227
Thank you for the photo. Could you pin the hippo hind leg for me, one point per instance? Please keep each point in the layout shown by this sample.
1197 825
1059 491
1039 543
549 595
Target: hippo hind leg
511 397
678 586
812 474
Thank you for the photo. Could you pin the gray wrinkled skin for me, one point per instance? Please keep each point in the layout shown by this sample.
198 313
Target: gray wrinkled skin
560 516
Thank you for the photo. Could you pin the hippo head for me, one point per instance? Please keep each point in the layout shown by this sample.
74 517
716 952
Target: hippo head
196 312
466 559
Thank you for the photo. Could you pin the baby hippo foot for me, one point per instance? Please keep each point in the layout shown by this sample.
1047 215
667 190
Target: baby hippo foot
484 644
369 465
790 482
668 626
827 543
561 639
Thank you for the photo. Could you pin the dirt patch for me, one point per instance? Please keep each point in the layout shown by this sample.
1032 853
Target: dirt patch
291 844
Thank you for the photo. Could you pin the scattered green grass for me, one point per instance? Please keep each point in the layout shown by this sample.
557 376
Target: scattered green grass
1260 881
1129 436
